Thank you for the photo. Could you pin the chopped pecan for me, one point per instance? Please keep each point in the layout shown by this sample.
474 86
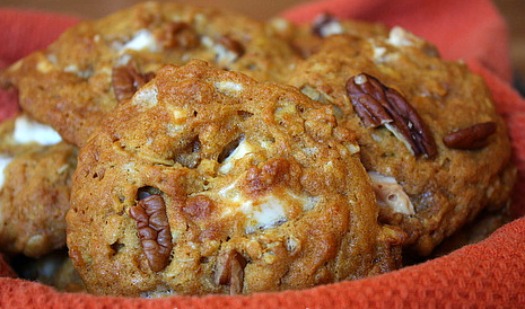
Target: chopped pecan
473 137
369 100
153 230
326 24
377 104
126 80
411 125
179 35
191 156
146 191
230 270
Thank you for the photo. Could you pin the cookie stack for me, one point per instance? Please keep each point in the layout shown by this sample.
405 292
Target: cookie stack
218 154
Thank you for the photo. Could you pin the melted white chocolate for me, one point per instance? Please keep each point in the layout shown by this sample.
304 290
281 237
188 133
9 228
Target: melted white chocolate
390 194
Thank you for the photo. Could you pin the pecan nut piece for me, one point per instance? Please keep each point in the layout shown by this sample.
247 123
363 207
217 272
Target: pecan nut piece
153 230
179 35
470 138
126 80
377 104
230 270
369 100
412 126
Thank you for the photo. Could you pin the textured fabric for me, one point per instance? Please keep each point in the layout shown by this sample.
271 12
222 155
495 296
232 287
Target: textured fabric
488 274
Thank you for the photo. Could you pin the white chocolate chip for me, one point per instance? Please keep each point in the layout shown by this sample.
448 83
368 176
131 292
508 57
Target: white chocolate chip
244 148
4 162
263 212
353 148
400 37
390 194
331 28
146 97
229 88
29 131
143 40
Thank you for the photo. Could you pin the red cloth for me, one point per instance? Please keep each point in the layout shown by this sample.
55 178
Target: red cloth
488 274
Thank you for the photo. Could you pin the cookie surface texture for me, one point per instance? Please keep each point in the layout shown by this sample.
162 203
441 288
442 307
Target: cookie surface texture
207 181
96 64
35 179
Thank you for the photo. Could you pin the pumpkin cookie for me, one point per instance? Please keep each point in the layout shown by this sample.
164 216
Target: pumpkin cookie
431 140
35 174
207 181
94 65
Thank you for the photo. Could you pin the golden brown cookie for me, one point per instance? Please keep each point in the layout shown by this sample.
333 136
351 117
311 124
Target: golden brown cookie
433 144
35 174
54 269
207 181
95 64
307 39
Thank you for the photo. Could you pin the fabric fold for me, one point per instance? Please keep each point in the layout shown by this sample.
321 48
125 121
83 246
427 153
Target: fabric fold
487 274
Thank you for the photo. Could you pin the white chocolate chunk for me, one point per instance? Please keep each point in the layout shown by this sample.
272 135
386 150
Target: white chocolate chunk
4 162
353 148
390 194
224 55
143 40
280 24
331 28
243 149
29 131
228 87
72 68
263 212
268 214
146 97
400 37
123 60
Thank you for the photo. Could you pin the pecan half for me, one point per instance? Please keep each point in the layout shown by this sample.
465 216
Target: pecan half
377 104
230 270
411 125
126 80
473 137
369 100
153 230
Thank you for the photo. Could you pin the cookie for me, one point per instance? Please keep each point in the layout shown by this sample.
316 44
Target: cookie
431 140
35 174
54 269
306 39
96 64
22 134
207 181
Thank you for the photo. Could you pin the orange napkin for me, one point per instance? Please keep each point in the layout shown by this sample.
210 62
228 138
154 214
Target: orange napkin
488 274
